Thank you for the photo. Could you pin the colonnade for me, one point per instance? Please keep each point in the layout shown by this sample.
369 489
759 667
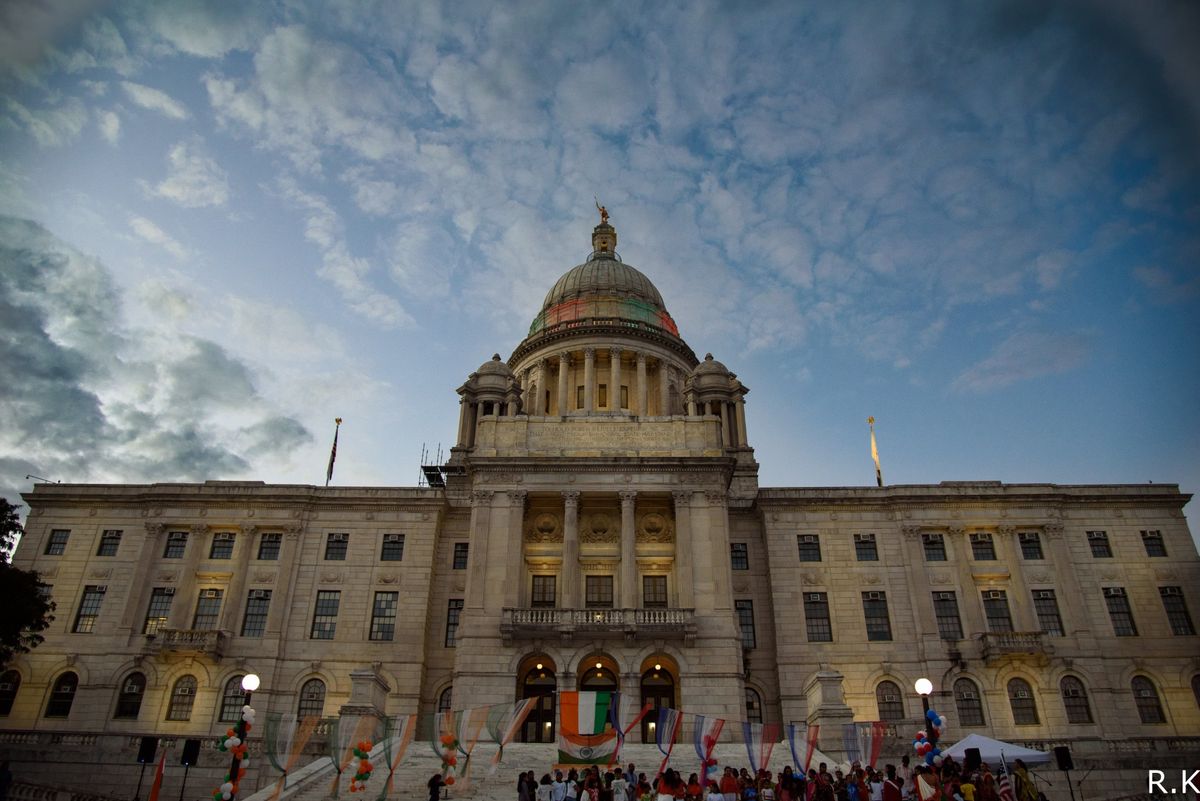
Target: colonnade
538 379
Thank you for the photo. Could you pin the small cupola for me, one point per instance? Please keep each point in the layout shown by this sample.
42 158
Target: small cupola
604 236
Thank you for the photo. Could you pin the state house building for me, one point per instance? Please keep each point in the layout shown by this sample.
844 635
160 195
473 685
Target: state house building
599 525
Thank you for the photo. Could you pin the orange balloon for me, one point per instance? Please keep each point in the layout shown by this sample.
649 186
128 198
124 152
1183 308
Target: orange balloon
449 780
447 739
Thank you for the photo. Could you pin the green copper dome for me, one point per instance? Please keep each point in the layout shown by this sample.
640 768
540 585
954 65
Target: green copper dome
603 276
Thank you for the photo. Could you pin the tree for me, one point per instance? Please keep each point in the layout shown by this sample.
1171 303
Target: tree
27 610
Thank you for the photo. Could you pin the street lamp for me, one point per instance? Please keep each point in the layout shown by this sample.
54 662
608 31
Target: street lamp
245 721
924 687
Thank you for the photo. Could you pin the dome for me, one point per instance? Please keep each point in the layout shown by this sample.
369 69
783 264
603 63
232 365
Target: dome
603 276
494 366
710 366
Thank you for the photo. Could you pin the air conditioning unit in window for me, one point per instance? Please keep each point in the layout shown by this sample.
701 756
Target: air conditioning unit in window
993 595
864 537
1072 693
1043 595
966 695
1114 592
1020 694
943 596
223 536
1145 693
809 538
1027 536
931 537
6 687
393 538
816 596
168 590
260 594
873 596
339 537
184 691
101 588
890 699
1170 591
981 536
131 687
1097 535
210 593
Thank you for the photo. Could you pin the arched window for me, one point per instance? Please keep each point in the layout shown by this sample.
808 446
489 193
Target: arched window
1146 697
598 679
183 695
1075 700
129 699
445 699
970 705
62 696
753 706
1020 698
1195 687
10 682
889 701
312 699
232 700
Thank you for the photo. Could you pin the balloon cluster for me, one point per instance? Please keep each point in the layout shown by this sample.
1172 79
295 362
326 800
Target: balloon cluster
361 751
449 760
229 787
235 744
926 743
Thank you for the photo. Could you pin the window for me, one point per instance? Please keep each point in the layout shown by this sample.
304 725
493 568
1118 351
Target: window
968 703
1120 612
10 682
1020 698
879 627
1031 545
1177 611
159 609
542 596
1195 688
1145 696
232 701
89 609
602 396
1075 700
1098 541
983 549
745 615
810 547
1045 604
816 617
383 616
1152 541
889 701
739 556
454 610
599 592
183 695
110 542
461 552
129 699
222 545
62 696
208 610
336 545
624 396
654 592
258 604
312 699
325 614
57 544
268 546
753 706
995 609
865 549
945 609
578 397
176 545
444 699
393 548
935 547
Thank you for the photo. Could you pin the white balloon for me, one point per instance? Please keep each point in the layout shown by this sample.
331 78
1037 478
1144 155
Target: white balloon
227 787
227 796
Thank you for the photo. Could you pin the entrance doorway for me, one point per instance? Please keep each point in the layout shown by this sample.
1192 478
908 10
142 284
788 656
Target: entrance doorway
540 684
658 689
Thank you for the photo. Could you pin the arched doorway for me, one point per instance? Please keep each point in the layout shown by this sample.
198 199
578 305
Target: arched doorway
658 689
598 676
540 684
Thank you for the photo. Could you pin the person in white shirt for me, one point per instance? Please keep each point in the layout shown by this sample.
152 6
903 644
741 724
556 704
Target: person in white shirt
545 790
558 788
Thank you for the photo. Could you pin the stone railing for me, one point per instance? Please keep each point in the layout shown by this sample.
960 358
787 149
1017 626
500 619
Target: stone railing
1001 644
632 624
208 642
22 791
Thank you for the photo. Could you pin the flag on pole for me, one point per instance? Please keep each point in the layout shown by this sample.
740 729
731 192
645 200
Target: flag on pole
333 451
705 732
875 453
760 742
1003 782
158 777
669 721
616 713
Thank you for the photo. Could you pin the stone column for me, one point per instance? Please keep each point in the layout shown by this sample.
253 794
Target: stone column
462 422
589 380
1020 598
132 619
540 401
641 385
237 583
481 514
683 548
516 577
726 439
629 570
827 708
570 566
1068 589
564 368
664 389
289 562
185 594
527 389
614 380
631 687
971 603
922 607
718 514
691 405
740 408
367 709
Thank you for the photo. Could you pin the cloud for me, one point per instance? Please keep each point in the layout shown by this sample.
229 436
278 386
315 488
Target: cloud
109 123
1024 356
155 100
50 126
194 179
204 28
1164 287
151 233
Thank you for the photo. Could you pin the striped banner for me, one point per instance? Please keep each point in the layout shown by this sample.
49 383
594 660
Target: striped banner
760 742
617 713
584 712
809 747
665 731
399 734
503 723
705 732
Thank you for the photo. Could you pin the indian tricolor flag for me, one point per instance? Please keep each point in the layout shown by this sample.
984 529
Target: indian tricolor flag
582 739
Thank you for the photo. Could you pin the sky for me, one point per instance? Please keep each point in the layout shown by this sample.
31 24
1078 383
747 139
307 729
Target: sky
222 225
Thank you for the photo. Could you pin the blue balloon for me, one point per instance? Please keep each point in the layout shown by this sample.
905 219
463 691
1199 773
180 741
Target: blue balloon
929 758
936 751
931 715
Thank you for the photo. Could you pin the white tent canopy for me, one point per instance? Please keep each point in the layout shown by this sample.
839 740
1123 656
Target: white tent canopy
990 751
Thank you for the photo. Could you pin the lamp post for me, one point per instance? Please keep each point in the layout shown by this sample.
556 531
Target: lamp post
924 687
249 685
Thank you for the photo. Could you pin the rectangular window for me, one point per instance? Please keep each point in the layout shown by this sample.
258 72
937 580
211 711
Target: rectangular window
654 592
89 609
1031 545
383 616
810 547
159 609
1120 612
258 604
453 611
935 547
599 592
865 549
945 609
393 548
336 545
745 614
879 626
268 546
1098 541
1045 604
176 545
739 556
982 547
461 552
222 546
110 542
602 396
325 614
542 596
578 397
1152 541
57 544
1177 611
208 610
995 609
624 397
816 617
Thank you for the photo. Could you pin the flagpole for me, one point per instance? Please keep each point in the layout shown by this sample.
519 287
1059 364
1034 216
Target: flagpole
337 421
875 453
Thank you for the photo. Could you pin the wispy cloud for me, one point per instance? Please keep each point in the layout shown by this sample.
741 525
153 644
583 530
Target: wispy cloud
1024 356
155 100
151 233
109 123
193 179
